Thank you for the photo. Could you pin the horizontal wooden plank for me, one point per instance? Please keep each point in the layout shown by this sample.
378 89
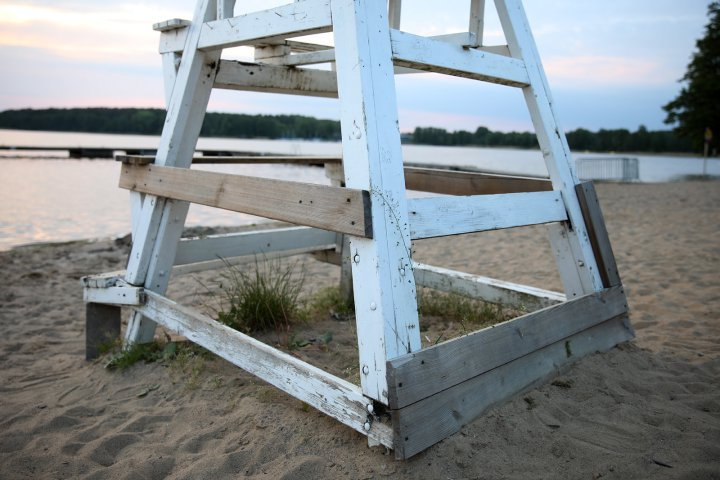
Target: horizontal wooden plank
441 216
343 210
252 77
256 242
120 295
292 20
431 55
172 24
331 395
491 290
415 376
237 159
599 239
433 419
452 182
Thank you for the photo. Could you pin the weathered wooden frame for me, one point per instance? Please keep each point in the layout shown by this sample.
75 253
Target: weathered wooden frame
409 397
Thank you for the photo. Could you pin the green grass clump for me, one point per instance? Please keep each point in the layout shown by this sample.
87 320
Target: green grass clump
260 299
451 306
330 300
147 352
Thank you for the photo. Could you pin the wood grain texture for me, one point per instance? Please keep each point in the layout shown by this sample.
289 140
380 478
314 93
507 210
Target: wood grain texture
422 424
102 327
418 375
239 159
597 231
441 216
331 395
453 182
251 77
342 210
431 55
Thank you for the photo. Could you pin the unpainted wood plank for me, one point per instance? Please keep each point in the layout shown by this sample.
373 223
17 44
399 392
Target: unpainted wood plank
102 327
522 297
344 210
257 242
597 230
442 216
453 182
245 76
292 20
431 55
422 424
331 395
420 374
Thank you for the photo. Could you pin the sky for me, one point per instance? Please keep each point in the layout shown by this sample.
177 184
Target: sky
610 63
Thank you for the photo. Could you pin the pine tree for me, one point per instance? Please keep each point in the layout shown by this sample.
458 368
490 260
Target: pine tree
697 107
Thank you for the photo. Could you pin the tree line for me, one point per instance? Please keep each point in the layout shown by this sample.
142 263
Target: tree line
149 121
604 140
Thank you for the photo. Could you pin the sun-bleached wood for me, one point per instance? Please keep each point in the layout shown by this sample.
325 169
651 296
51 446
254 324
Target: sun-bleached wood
385 297
424 423
443 216
477 21
240 159
171 24
233 75
255 242
344 210
292 20
331 395
521 297
421 374
430 55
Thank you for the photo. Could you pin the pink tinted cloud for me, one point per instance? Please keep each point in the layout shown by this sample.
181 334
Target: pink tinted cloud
599 70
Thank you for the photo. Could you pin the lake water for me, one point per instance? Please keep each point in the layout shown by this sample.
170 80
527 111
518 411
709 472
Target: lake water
54 199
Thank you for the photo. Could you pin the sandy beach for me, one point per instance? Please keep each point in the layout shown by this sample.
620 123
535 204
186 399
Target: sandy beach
649 408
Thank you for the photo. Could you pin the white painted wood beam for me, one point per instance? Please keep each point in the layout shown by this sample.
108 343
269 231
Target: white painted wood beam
430 55
257 242
331 395
523 297
124 295
453 215
252 77
293 20
385 297
579 270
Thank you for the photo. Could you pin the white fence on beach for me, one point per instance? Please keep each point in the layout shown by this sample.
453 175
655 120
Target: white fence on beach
621 169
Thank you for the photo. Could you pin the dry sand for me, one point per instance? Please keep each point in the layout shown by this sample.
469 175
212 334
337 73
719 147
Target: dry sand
647 409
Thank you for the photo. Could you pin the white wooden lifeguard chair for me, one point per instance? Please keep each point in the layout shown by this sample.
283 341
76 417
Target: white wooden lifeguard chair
410 397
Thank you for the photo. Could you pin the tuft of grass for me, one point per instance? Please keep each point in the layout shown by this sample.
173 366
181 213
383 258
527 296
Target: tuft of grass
465 310
260 299
329 300
124 358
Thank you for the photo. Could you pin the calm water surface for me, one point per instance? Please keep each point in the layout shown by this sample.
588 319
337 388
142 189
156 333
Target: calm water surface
53 199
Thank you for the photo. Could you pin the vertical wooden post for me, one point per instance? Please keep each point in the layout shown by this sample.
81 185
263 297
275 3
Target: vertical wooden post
477 21
102 326
385 296
161 221
334 172
394 13
577 265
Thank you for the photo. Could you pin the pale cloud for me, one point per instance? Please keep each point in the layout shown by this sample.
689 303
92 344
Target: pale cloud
599 70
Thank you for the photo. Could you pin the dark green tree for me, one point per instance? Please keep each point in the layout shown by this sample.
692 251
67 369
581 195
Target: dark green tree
697 107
